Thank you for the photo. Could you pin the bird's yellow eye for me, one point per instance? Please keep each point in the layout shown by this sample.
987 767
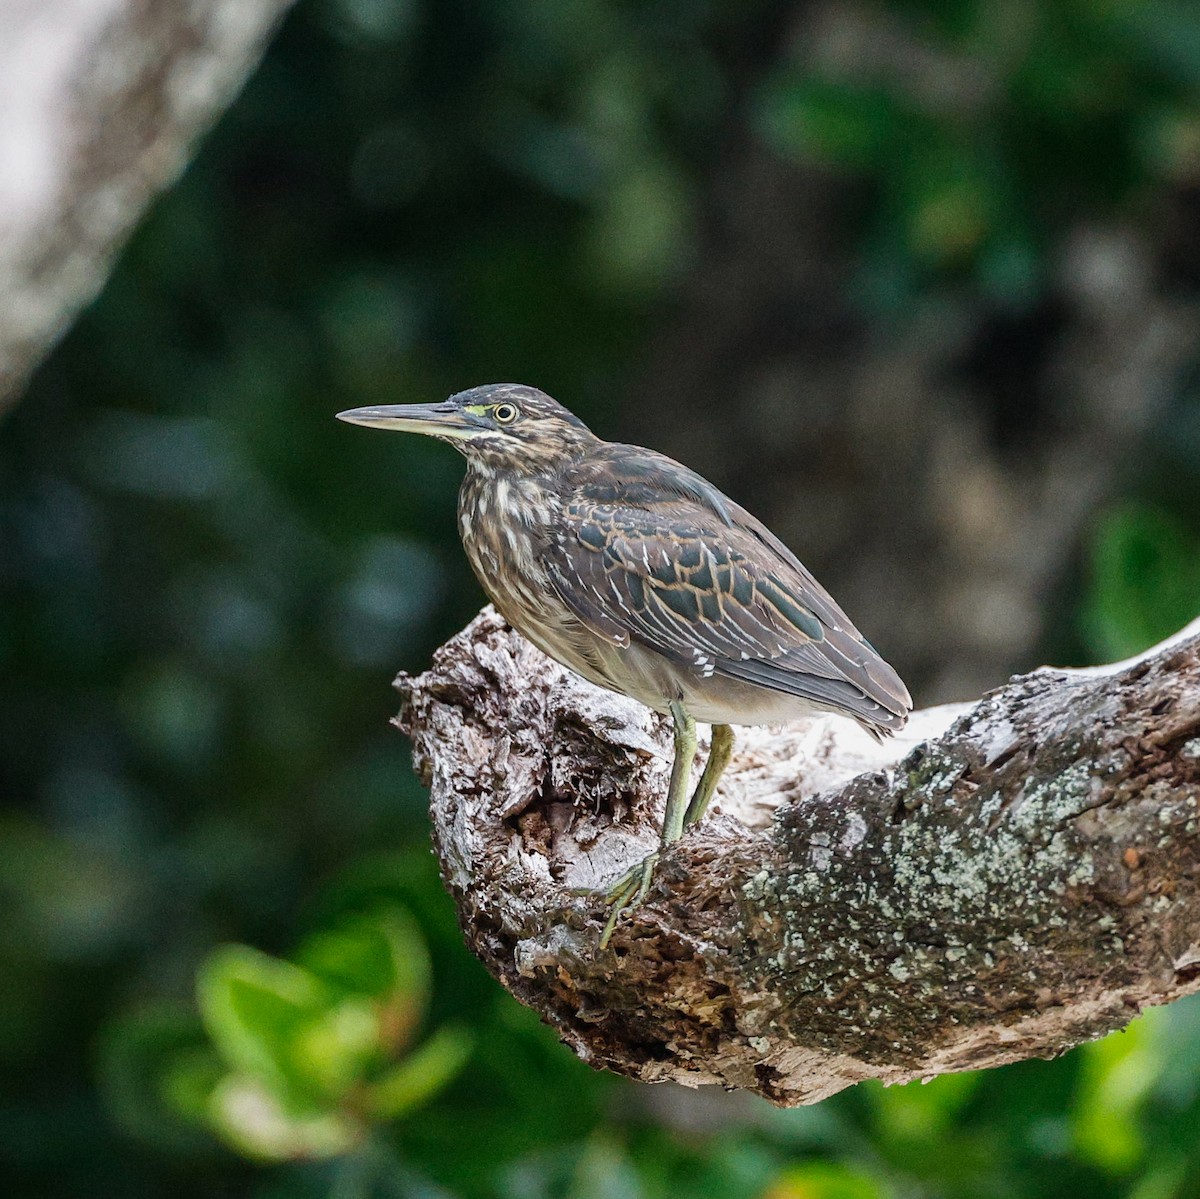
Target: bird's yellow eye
504 414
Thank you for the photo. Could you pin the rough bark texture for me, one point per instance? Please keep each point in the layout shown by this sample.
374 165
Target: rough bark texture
100 102
1005 880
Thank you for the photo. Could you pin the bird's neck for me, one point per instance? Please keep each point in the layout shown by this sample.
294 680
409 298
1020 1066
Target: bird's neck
506 497
504 519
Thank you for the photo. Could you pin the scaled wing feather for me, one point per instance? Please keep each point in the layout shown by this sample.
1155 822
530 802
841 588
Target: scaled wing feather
650 551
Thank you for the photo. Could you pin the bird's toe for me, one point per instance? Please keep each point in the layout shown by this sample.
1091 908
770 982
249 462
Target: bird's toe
628 892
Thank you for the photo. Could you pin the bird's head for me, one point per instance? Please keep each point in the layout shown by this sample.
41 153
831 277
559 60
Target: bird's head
500 426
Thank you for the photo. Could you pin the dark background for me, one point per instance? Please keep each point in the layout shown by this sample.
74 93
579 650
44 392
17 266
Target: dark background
916 281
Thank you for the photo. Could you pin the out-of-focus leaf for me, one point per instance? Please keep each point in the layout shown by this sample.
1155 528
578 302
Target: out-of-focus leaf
188 1085
923 1109
72 898
945 200
949 219
1011 269
421 1075
250 1117
823 1180
335 1048
1169 143
381 954
1145 580
256 1008
1168 33
640 235
1167 1180
1176 1032
606 1170
308 1043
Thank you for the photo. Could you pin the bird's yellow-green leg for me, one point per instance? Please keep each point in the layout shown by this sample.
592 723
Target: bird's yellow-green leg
630 889
718 759
681 770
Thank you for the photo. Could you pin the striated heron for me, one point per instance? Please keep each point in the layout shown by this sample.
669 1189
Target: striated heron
638 574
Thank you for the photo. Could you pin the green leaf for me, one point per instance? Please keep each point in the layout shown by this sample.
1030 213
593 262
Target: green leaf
421 1075
189 1081
1010 269
249 1116
256 1009
1167 32
640 235
922 1110
944 199
606 1170
380 954
335 1050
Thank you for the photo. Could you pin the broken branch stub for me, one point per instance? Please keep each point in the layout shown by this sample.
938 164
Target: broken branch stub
1003 881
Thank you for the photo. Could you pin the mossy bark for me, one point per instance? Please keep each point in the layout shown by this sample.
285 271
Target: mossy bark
1003 881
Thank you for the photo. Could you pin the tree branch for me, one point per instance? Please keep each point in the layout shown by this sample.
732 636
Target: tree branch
100 104
1004 881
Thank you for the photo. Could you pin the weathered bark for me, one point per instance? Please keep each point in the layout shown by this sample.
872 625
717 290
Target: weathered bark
1003 881
100 103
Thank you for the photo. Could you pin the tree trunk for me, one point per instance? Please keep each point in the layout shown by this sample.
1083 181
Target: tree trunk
100 104
1001 881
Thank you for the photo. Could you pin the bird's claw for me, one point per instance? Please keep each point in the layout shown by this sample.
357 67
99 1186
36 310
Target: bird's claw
627 892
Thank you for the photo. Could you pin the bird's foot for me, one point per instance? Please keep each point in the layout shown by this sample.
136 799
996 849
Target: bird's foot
627 892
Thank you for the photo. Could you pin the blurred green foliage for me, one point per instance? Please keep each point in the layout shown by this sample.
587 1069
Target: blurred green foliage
984 129
205 583
303 1057
1145 580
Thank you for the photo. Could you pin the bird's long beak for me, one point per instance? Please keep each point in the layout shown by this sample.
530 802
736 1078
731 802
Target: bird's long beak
434 420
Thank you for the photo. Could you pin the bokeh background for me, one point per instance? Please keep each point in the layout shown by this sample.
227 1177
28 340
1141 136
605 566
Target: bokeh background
918 281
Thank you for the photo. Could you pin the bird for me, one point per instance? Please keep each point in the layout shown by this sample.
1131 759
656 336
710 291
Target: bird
641 576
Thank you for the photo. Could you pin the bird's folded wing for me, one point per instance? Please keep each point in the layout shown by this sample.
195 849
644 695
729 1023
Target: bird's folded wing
718 599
